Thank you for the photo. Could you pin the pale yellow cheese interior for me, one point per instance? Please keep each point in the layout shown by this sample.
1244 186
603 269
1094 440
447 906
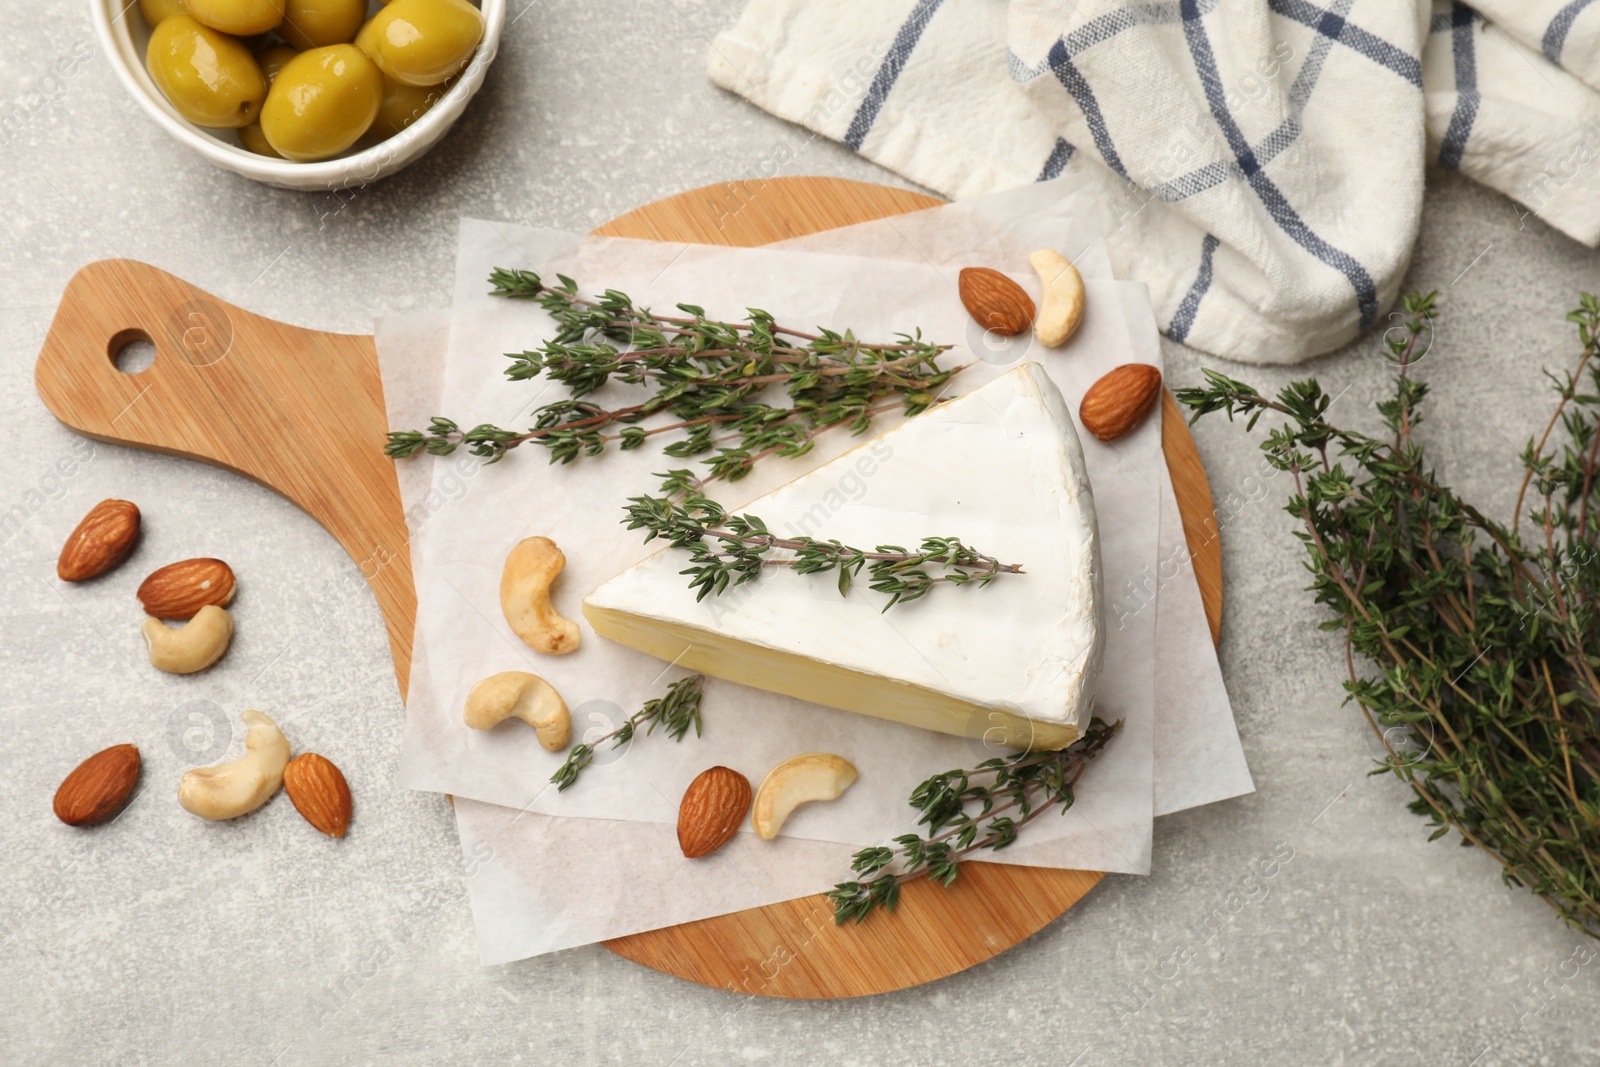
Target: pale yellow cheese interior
779 671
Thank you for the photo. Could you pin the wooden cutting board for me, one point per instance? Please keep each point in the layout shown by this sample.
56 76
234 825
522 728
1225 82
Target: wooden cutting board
302 412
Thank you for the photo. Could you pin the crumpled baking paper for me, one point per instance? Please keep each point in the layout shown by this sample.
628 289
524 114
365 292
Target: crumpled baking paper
551 882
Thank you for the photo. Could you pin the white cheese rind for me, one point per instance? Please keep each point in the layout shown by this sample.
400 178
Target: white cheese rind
1002 469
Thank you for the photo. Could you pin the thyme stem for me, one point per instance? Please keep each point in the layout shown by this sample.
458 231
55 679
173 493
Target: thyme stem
1485 692
1028 784
675 712
727 550
705 375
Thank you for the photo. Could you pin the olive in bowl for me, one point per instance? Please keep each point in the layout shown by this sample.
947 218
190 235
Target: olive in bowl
210 78
124 30
321 102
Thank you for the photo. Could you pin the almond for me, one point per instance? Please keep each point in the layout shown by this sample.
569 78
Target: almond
713 807
101 541
98 787
180 589
319 792
995 302
1120 400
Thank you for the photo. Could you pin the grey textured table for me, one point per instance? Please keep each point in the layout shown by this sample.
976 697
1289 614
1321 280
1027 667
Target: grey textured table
162 939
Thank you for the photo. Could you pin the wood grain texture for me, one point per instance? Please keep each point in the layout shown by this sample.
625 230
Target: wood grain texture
300 411
224 381
1200 527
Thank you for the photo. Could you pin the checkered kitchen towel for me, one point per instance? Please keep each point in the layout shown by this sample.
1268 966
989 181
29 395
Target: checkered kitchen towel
1264 158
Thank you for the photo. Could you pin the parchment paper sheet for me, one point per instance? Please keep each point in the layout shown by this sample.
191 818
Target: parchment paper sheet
540 882
461 636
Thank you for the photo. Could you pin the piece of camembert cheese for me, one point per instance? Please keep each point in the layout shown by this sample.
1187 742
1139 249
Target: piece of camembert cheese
1013 662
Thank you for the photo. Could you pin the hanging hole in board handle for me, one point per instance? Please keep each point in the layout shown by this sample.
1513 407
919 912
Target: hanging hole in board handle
131 351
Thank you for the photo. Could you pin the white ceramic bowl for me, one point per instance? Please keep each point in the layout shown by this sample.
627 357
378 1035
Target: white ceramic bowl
123 36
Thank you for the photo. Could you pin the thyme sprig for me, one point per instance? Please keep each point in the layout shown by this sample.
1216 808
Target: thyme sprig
705 375
1472 646
675 712
727 549
1008 792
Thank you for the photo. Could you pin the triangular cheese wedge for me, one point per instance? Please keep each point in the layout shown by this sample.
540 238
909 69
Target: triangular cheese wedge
1013 662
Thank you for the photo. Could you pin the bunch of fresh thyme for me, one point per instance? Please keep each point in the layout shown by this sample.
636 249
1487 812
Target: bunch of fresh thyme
1009 792
1484 636
675 711
705 376
685 518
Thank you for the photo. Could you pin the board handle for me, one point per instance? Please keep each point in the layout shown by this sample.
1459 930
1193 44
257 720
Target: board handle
107 305
299 411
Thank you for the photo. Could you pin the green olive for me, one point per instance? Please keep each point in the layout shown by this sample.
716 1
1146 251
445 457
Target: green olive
238 17
314 23
209 77
252 138
404 104
321 102
422 42
272 59
156 10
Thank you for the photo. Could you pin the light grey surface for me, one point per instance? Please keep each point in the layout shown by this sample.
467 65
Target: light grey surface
161 939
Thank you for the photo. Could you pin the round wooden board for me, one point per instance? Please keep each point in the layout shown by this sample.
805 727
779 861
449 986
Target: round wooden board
793 949
225 379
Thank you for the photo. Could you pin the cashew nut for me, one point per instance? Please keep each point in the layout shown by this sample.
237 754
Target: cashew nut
194 646
520 695
809 776
1062 307
229 790
525 597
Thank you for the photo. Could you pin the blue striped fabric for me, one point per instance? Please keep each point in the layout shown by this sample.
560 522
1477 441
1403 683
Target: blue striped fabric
1099 30
1555 35
1305 82
1275 143
1057 161
1102 29
1270 148
1331 24
1336 28
1455 137
1284 141
1277 205
1183 318
905 42
1333 28
1077 86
